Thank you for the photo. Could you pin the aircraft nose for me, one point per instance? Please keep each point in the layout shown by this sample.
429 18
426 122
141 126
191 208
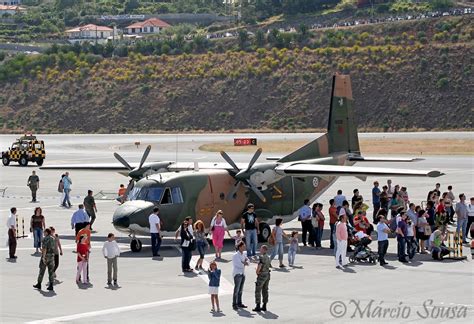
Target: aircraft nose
130 212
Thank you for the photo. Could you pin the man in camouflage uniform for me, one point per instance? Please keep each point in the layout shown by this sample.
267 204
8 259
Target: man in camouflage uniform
47 259
263 279
33 183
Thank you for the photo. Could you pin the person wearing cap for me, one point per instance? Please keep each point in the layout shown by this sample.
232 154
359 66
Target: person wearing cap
462 215
250 228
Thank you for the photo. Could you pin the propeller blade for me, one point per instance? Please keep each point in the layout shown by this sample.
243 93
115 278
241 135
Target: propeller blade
145 155
257 191
254 159
122 160
130 186
234 190
230 161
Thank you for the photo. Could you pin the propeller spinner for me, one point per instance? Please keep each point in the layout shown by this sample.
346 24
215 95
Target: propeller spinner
243 175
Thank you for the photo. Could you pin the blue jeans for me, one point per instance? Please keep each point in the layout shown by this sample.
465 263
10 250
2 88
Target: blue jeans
37 237
278 249
155 243
462 225
332 238
291 256
201 247
66 197
411 246
401 247
318 235
251 242
239 281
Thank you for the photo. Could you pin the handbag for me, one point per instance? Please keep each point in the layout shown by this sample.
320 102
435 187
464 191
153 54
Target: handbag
271 239
427 229
186 243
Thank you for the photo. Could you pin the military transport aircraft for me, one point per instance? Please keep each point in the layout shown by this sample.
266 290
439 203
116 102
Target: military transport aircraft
277 187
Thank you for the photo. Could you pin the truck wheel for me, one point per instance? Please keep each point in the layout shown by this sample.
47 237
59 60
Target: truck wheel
265 232
23 161
6 161
40 162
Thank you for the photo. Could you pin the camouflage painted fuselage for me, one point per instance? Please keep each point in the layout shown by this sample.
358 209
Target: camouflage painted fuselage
204 192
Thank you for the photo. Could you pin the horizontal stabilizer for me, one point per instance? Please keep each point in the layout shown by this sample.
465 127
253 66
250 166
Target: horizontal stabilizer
359 158
335 170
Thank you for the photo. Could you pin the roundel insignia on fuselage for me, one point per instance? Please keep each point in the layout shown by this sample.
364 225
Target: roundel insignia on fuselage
315 182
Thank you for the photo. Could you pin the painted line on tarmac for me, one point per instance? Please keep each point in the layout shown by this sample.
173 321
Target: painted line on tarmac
51 206
225 286
121 309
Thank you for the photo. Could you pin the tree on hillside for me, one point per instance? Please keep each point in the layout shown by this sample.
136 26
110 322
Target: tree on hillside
64 4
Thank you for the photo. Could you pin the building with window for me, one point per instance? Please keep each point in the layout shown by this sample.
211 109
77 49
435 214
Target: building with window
10 9
150 26
90 32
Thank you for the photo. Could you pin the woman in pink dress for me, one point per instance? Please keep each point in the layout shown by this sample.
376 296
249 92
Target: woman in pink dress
218 229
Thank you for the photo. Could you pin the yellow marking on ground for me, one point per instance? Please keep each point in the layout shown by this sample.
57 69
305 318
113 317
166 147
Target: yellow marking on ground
368 146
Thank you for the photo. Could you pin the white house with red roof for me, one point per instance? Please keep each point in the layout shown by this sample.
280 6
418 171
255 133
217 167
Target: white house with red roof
150 26
10 9
90 32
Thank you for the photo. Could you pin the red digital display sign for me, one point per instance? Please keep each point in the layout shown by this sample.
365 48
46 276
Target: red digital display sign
245 141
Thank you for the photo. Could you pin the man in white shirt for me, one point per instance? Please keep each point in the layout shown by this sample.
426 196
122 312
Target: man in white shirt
155 227
239 261
305 213
11 224
111 251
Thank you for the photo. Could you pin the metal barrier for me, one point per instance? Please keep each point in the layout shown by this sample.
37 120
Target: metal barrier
455 247
106 195
22 228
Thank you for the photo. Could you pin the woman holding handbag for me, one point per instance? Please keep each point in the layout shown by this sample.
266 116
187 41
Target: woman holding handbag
218 229
186 238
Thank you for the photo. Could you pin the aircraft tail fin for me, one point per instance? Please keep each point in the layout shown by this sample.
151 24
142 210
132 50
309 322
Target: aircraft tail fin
341 135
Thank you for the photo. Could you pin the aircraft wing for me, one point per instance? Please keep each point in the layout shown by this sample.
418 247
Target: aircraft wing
86 166
381 159
300 169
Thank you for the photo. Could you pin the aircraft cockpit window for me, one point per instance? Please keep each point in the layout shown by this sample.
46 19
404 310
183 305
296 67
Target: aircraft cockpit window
153 193
177 195
133 195
166 197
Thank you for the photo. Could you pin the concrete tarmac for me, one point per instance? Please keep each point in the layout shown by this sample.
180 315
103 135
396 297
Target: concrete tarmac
155 291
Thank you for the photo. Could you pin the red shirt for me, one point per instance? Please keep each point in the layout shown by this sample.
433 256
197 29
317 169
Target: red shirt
363 220
332 215
82 249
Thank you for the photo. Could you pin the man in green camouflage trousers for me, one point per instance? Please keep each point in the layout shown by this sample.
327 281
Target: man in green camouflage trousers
263 279
47 259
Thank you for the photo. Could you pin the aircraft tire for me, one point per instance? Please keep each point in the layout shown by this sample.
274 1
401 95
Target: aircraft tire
136 245
265 232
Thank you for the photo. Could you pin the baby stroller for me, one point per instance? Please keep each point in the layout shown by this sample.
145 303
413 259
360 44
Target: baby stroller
362 252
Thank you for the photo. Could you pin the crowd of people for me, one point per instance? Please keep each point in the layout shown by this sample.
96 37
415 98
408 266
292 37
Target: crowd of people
419 228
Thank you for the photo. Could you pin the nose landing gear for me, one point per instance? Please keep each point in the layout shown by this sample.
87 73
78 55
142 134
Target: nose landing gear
135 244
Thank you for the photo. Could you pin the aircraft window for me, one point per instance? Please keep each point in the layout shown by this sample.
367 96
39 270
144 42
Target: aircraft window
133 195
166 197
153 193
176 195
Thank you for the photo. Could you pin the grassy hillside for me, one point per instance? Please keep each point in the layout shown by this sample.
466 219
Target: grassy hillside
403 78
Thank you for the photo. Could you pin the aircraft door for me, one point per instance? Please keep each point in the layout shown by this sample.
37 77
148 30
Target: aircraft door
205 208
